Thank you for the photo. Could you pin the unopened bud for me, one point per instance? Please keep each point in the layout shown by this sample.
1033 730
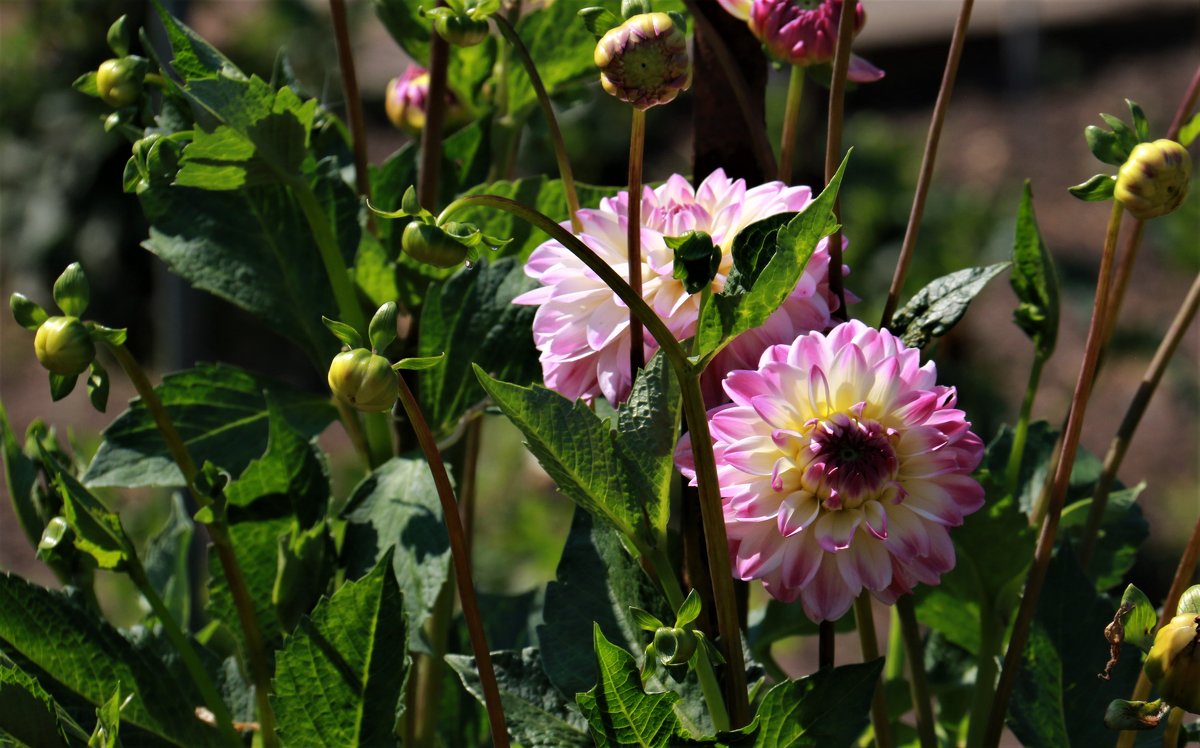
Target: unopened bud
407 100
1173 665
119 81
428 243
459 29
675 646
644 61
1153 181
64 346
363 379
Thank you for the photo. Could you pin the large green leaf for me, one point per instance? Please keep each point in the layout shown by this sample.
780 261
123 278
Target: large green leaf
1034 280
257 547
97 529
1123 529
27 712
192 57
938 307
166 560
88 657
395 513
340 677
20 472
618 711
537 714
220 413
472 320
647 424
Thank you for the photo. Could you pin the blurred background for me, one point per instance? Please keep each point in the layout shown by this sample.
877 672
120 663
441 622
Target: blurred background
1033 75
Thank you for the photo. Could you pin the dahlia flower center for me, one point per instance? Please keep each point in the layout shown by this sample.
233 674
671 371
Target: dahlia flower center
850 461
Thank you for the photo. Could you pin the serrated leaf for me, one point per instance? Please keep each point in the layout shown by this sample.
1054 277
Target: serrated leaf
395 512
537 714
27 712
1141 620
349 647
647 424
221 414
618 711
1100 187
191 56
1034 280
27 313
257 548
938 307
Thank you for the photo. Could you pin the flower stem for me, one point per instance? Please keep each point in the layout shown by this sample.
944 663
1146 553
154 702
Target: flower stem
893 666
461 563
1021 433
430 163
791 123
826 645
556 138
991 639
864 620
833 149
1062 475
637 141
354 111
916 666
1174 728
219 534
927 160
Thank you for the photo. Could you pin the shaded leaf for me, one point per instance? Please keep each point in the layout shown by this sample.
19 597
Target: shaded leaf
257 548
108 722
1034 280
1141 621
27 712
20 472
97 529
192 57
1123 529
618 711
166 560
647 424
938 307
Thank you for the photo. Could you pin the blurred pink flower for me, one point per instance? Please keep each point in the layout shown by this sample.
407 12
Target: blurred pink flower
407 99
842 464
582 328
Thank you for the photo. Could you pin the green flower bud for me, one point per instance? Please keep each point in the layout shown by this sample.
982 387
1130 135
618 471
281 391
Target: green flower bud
674 646
1153 181
64 346
644 61
363 379
460 30
428 243
1173 665
119 81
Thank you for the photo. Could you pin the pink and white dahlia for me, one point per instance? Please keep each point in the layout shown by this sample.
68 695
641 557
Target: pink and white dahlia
842 464
582 328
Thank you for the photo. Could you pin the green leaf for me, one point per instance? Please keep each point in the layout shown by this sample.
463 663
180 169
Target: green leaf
1189 601
374 271
306 566
767 263
349 646
257 547
1034 280
1123 529
647 424
27 313
830 707
419 363
1105 145
395 512
1141 619
696 259
88 657
599 21
86 84
1127 140
27 712
472 320
1100 187
98 530
537 714
343 332
61 386
1141 126
220 412
383 326
689 610
938 307
618 711
71 291
644 620
20 474
114 336
1189 131
191 56
97 386
108 722
166 560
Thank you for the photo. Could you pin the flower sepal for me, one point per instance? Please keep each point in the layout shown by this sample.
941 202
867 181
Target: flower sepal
462 23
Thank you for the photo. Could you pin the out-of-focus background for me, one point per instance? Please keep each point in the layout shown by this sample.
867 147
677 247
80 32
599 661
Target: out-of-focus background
1034 74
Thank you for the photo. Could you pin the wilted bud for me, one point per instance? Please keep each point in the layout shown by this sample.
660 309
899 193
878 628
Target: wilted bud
1173 665
119 81
644 61
363 379
428 243
1153 181
64 346
805 32
674 646
407 100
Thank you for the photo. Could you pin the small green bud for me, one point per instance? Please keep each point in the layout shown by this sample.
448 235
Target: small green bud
428 243
119 81
1153 181
675 646
64 346
459 29
644 61
1173 665
118 36
71 291
363 379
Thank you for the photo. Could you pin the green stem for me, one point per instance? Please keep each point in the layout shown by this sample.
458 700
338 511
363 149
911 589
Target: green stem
916 666
893 666
556 138
461 563
637 142
156 80
1021 433
864 620
991 639
791 123
1058 494
431 671
1174 728
186 650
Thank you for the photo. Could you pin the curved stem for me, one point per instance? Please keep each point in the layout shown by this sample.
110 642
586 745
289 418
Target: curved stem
633 233
791 123
927 160
461 563
1021 433
833 149
864 620
1058 494
556 138
354 111
916 667
1133 417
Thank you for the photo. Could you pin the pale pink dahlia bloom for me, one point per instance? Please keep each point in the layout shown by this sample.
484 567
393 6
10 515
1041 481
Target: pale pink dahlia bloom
842 464
582 328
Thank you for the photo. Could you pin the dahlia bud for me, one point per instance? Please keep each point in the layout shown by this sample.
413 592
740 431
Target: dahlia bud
805 32
64 346
644 61
1153 181
428 243
1173 665
458 29
119 81
674 646
363 379
407 100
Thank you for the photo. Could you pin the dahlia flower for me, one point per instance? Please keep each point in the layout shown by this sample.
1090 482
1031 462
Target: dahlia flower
582 328
841 464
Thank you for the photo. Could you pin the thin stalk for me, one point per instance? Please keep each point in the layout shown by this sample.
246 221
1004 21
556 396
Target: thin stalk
893 666
354 111
637 141
826 645
556 138
864 620
1133 417
833 149
922 701
991 639
1183 577
470 480
1186 104
353 428
1021 433
427 685
791 123
219 534
187 653
927 160
1174 728
1062 475
461 564
430 164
